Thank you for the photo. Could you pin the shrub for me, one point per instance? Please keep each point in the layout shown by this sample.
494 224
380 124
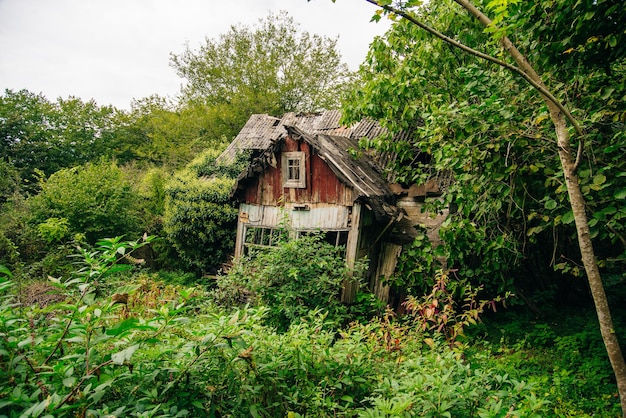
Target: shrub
200 219
148 349
292 279
54 229
9 181
563 354
96 199
439 312
20 241
439 383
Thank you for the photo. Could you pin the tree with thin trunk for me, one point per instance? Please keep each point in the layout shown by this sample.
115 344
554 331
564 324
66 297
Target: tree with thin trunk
569 157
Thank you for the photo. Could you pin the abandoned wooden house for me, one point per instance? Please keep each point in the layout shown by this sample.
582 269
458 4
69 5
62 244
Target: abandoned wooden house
306 173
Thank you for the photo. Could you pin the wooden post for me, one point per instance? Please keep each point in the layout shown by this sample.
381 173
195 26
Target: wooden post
240 239
348 293
387 262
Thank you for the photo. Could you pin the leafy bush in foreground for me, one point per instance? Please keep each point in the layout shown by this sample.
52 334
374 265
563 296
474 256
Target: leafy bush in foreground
178 360
143 348
291 279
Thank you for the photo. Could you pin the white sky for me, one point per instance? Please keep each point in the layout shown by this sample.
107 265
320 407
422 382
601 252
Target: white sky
117 50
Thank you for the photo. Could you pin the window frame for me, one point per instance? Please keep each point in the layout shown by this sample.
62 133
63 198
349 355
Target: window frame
286 158
262 237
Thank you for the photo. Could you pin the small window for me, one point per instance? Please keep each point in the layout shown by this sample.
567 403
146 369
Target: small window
293 170
259 238
336 238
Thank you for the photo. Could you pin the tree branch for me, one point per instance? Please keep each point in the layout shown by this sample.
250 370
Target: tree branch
521 72
80 383
529 71
67 328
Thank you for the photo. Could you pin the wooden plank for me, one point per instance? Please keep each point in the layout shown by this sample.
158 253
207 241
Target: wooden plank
387 262
240 233
348 293
319 216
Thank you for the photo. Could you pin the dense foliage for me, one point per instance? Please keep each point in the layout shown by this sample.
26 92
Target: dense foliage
478 124
96 199
103 343
39 135
502 141
172 135
298 276
200 219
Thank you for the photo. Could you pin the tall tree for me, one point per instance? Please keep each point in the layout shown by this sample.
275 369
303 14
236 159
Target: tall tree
270 68
171 135
37 134
566 129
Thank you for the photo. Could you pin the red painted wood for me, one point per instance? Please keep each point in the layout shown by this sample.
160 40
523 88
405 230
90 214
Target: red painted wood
322 186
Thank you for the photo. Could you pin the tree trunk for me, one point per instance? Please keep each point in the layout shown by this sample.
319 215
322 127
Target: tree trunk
559 116
577 202
587 253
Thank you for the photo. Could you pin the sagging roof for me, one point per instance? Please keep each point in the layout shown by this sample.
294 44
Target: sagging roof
359 172
261 130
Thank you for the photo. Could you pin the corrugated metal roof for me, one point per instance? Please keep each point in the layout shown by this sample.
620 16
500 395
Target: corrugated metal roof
360 173
262 129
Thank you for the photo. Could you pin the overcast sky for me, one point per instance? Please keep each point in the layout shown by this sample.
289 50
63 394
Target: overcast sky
117 50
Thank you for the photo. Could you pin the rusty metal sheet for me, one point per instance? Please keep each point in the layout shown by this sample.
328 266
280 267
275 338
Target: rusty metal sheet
327 217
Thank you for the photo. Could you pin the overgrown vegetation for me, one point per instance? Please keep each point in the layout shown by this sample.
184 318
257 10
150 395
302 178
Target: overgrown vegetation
112 327
106 341
298 276
199 218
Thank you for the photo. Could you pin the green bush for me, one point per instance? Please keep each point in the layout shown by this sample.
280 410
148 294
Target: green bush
54 229
292 279
20 242
565 357
439 383
200 219
9 181
96 199
138 347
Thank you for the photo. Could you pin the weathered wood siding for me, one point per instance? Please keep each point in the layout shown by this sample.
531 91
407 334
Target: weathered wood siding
318 216
387 261
322 185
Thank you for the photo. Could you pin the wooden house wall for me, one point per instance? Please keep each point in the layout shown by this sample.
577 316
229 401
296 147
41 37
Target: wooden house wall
322 185
323 217
330 205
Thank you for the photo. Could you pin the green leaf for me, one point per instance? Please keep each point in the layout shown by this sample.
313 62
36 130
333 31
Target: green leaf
612 40
620 194
5 271
36 409
124 355
599 179
123 326
551 204
568 217
607 93
609 210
